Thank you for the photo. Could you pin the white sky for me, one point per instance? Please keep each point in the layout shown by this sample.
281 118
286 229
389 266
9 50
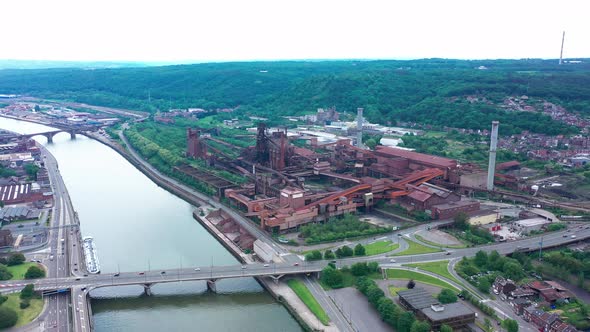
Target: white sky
218 30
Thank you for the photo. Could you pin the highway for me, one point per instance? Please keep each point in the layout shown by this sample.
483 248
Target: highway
63 257
260 269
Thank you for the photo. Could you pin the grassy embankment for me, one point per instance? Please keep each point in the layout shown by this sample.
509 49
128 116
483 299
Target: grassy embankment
305 295
25 316
380 247
416 248
419 277
440 268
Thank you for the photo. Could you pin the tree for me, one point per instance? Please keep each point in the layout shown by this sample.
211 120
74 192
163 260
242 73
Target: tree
16 259
513 270
27 292
347 251
8 317
373 267
483 284
411 284
371 143
461 221
4 273
329 254
481 259
420 326
446 328
405 321
359 250
363 283
495 261
374 293
359 269
447 296
34 272
386 308
315 255
487 324
339 253
32 171
510 325
332 277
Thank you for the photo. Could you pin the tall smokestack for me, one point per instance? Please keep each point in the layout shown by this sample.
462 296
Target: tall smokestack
359 127
492 164
561 54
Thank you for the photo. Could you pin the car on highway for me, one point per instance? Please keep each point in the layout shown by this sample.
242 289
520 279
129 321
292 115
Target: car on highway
573 236
448 253
198 269
266 265
51 257
392 260
141 273
564 235
77 279
296 264
116 274
86 275
243 267
163 272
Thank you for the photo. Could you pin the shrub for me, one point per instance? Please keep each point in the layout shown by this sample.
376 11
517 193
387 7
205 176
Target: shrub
34 272
332 277
8 317
359 250
447 296
16 259
329 254
27 292
25 303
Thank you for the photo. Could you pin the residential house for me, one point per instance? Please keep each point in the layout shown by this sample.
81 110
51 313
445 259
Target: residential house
503 286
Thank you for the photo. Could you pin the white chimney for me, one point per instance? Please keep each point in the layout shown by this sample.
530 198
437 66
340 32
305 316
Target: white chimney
492 163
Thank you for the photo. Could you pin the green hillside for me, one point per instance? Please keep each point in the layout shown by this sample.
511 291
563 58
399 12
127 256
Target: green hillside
430 91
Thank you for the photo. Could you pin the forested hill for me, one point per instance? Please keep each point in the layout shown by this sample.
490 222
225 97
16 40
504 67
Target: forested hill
432 91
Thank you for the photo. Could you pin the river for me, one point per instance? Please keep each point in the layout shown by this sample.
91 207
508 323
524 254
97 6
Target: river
138 226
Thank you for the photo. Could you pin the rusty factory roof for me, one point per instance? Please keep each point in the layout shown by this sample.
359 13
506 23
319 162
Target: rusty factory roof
420 157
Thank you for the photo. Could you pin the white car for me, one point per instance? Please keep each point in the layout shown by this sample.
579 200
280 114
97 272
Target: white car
266 265
392 260
198 269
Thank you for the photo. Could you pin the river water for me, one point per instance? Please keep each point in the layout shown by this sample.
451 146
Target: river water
138 226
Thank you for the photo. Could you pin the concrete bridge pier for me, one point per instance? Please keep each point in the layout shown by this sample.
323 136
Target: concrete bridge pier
276 278
72 135
147 289
49 138
212 286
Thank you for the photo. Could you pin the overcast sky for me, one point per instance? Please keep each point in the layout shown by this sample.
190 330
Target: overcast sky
219 30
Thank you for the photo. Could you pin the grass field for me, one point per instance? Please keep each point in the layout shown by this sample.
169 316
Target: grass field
305 295
25 316
454 246
417 276
393 290
416 248
380 247
439 268
18 271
